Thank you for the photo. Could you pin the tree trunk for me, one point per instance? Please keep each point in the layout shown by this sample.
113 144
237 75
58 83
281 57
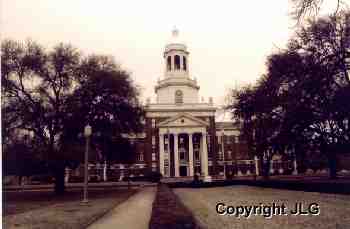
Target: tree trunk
265 167
59 178
20 180
332 163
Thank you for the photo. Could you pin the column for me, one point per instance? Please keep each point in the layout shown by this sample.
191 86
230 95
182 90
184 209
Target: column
295 167
272 170
280 165
237 148
105 171
168 173
172 63
176 155
248 164
204 156
190 154
161 154
66 175
181 63
256 165
121 171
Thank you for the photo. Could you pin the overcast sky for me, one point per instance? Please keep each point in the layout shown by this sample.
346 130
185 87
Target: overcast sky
228 40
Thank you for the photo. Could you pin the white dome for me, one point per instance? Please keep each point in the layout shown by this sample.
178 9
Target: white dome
175 42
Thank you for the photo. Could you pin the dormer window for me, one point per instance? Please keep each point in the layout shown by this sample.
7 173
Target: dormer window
178 97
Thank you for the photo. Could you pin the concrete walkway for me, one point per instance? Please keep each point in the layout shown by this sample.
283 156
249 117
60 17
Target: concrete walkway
135 213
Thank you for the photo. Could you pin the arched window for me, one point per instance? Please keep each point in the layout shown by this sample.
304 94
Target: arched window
140 156
177 62
184 63
178 97
169 63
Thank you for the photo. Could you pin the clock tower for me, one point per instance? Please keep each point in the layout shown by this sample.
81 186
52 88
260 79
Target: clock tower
176 87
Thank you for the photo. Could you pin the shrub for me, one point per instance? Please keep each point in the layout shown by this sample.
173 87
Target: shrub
41 179
168 211
76 179
150 176
154 176
94 178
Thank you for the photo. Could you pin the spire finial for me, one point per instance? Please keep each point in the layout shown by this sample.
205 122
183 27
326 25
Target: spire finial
175 32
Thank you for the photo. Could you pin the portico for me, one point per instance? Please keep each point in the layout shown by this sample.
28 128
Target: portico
183 149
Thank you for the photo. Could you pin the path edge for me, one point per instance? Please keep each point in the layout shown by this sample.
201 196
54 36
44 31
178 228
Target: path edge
105 212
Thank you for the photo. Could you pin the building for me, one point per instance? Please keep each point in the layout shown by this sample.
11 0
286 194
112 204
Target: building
183 136
181 133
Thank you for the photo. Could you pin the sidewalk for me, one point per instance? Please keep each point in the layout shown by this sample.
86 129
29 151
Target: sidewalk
135 213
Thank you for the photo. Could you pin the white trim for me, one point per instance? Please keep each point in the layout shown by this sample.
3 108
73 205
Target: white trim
183 115
172 112
182 130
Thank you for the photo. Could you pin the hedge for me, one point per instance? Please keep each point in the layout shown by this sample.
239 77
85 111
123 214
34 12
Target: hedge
168 211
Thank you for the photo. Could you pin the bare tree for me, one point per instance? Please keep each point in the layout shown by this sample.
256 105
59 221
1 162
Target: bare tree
302 9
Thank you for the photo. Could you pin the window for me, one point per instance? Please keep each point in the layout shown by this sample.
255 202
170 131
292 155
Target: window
221 156
178 97
140 156
184 63
237 139
169 63
166 144
228 140
181 140
229 155
166 171
182 155
209 142
196 155
153 156
153 123
153 141
177 62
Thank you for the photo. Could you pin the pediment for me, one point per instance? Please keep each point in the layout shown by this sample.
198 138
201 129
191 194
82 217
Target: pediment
183 120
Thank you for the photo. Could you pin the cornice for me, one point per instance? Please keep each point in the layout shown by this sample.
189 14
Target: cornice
178 83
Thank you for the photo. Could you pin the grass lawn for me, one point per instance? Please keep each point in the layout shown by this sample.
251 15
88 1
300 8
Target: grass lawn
41 209
334 208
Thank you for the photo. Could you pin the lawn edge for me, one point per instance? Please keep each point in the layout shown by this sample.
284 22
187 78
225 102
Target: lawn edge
330 187
105 212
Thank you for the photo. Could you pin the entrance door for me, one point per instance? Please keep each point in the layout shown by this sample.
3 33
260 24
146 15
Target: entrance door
183 171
